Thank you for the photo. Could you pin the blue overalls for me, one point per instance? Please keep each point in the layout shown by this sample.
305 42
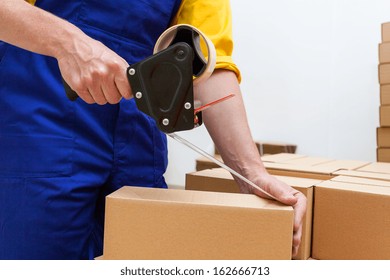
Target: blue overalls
59 159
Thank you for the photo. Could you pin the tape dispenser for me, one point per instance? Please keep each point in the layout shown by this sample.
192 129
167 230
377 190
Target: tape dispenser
162 84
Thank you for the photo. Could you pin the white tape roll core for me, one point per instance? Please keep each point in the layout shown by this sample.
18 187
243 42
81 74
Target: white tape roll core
166 38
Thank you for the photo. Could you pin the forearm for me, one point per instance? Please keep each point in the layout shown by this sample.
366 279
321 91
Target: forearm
34 29
227 124
95 72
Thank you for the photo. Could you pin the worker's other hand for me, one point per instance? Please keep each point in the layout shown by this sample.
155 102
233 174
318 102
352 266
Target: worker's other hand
286 195
94 72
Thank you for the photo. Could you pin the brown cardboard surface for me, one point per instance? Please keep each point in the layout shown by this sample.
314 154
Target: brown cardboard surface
363 174
308 161
384 73
281 157
343 164
385 94
321 162
269 148
203 163
384 52
383 137
383 154
216 180
376 167
351 221
220 180
147 223
361 181
216 152
311 172
384 115
385 32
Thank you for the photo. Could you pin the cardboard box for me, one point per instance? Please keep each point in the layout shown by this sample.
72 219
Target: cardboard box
385 32
363 174
220 180
383 137
384 115
351 221
308 161
321 171
384 73
383 154
376 167
164 224
384 52
362 181
214 180
340 164
270 148
301 160
282 157
385 94
203 163
216 152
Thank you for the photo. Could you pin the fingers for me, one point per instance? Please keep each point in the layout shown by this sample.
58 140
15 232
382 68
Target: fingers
288 196
109 84
299 215
297 235
96 74
299 210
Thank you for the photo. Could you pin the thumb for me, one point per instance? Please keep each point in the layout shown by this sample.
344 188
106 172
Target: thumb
278 189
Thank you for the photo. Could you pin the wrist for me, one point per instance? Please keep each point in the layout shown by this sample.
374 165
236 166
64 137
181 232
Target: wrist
65 43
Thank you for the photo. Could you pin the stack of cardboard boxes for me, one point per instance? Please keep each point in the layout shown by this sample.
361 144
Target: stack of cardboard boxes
347 213
346 217
383 132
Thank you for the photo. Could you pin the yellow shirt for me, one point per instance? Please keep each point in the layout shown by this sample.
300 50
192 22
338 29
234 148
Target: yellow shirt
214 19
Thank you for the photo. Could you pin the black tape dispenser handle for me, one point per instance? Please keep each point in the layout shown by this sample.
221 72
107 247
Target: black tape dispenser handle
70 93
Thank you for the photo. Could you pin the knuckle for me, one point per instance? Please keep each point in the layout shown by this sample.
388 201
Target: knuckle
296 241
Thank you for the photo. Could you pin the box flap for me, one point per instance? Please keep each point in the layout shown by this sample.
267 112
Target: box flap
224 174
301 168
298 182
308 161
197 197
363 174
376 167
344 164
280 157
355 187
362 181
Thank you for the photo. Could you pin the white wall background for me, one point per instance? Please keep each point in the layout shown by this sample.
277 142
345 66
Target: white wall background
309 72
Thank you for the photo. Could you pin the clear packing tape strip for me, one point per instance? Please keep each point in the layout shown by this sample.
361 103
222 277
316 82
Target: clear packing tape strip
219 163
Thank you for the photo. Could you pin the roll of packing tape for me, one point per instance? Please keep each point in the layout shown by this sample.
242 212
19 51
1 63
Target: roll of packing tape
166 38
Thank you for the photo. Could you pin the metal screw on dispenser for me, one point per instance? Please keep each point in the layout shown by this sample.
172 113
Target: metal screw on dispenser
131 71
165 122
180 53
138 95
187 105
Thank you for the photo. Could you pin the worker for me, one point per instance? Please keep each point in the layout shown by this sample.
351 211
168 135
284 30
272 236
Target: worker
59 159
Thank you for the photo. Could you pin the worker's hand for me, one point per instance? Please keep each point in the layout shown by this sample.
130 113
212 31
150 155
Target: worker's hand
286 195
94 72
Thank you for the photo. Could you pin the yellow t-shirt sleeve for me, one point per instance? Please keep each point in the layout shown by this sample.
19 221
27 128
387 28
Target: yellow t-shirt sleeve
214 19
